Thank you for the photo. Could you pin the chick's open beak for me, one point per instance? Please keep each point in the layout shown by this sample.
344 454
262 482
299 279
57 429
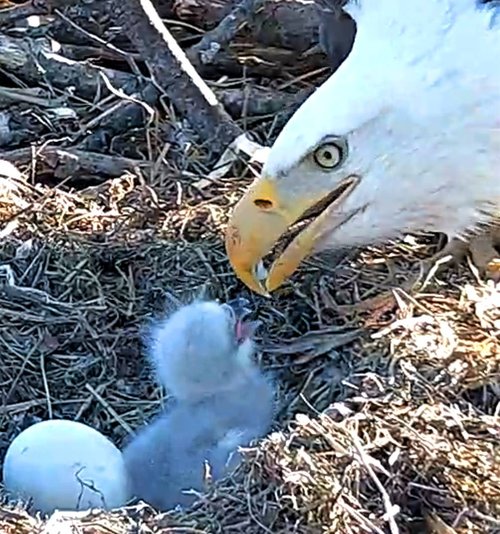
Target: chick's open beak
263 215
241 309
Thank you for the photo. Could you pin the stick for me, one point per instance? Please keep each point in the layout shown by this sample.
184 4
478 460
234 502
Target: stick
174 73
65 162
225 31
390 509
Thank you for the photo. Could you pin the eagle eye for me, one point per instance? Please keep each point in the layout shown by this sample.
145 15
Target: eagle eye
330 155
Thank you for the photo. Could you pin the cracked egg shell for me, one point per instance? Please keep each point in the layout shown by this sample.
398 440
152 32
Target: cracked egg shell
65 465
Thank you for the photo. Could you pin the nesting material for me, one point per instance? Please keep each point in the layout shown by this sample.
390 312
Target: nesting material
65 465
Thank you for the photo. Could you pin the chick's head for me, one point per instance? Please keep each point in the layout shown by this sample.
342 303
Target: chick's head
203 348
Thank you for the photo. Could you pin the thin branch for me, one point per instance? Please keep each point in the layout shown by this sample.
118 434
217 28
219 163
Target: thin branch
173 72
224 32
390 509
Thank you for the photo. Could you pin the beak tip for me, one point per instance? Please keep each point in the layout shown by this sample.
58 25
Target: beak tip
259 288
272 284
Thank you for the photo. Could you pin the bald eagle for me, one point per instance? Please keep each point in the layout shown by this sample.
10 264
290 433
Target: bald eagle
404 137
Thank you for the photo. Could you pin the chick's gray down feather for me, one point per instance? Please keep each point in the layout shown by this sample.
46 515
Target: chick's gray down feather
194 351
202 354
168 457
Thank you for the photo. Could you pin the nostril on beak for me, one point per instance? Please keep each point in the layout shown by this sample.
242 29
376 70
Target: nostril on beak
263 203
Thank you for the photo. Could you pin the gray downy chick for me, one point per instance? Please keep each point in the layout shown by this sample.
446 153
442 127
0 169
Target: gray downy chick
169 459
203 348
223 402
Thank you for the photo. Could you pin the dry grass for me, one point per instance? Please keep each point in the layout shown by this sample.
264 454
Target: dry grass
409 380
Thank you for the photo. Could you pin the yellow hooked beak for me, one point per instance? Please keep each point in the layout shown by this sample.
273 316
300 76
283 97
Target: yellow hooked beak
262 216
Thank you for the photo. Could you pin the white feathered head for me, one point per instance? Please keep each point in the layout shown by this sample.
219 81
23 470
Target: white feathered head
403 137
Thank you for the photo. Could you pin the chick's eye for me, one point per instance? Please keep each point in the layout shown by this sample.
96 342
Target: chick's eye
329 155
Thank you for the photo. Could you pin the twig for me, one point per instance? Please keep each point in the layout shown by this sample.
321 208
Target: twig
174 73
390 509
126 55
46 386
359 516
28 9
224 32
28 58
64 162
109 409
485 517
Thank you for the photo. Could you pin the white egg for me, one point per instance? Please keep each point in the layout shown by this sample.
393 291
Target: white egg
65 465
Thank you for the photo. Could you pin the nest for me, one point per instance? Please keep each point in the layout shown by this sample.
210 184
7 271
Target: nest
387 396
387 390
